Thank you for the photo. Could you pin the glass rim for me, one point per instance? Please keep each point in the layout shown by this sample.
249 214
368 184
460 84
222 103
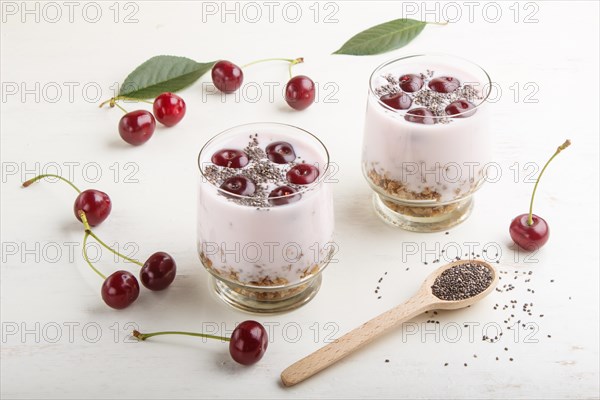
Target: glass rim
450 56
305 188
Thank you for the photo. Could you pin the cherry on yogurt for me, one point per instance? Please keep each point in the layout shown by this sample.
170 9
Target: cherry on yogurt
302 174
460 109
239 185
420 115
410 82
230 158
397 101
444 84
280 152
283 195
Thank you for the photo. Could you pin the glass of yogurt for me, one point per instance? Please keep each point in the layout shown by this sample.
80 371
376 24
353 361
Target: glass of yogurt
265 215
426 142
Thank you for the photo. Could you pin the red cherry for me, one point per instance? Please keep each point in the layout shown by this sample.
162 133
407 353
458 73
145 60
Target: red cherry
300 92
529 237
239 185
95 204
302 174
411 83
420 116
280 152
137 127
444 84
398 101
460 109
248 342
158 271
226 76
283 195
169 109
120 289
230 158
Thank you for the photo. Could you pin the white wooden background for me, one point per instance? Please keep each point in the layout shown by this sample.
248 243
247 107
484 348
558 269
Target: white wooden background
60 341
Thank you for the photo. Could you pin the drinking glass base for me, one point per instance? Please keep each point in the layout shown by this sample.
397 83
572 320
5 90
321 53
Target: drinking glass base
266 300
421 218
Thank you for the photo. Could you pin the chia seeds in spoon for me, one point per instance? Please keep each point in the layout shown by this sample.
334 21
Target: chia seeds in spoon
462 281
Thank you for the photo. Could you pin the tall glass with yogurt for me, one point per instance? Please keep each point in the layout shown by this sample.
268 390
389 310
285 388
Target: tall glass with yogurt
426 141
265 215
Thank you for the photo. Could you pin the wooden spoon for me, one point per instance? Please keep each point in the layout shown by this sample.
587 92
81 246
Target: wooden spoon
422 301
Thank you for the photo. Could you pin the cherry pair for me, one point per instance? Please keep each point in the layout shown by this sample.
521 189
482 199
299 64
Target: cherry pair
121 288
299 91
137 127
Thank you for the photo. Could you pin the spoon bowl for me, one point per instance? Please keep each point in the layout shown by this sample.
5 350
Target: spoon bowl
439 304
423 300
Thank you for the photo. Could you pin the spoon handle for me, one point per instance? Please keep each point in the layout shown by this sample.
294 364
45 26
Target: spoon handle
353 340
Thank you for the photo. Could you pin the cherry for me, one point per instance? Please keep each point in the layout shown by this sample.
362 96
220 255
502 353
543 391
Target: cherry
226 76
420 116
169 109
280 152
136 127
302 174
398 101
120 289
460 109
95 204
230 158
283 195
300 92
248 342
239 185
444 84
530 231
411 83
529 237
158 271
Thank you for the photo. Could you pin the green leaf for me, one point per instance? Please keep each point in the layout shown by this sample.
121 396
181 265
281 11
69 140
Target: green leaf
383 38
162 74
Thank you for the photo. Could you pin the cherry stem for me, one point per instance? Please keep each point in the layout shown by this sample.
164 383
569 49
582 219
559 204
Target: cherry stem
143 336
88 230
37 178
438 23
121 108
560 148
113 101
289 60
87 259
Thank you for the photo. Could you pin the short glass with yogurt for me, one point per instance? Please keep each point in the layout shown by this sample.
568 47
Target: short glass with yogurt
426 142
265 215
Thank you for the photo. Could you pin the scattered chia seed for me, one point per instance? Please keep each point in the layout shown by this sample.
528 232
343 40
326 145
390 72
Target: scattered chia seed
387 361
462 282
445 364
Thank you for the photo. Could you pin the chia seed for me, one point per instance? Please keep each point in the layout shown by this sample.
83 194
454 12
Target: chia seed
259 170
462 281
425 97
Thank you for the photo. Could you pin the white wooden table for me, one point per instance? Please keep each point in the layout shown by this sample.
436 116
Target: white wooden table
60 341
